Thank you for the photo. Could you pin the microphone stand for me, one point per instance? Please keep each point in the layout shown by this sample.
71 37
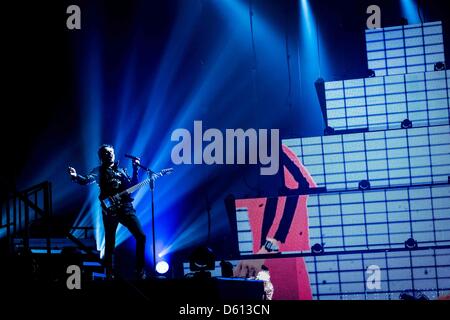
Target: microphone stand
150 174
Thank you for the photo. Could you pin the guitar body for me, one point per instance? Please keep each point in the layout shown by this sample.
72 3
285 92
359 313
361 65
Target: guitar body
111 203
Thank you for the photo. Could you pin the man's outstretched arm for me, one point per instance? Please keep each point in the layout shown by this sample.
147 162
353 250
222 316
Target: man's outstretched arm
83 179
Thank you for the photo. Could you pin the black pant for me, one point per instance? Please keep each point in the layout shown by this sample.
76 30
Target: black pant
285 222
127 217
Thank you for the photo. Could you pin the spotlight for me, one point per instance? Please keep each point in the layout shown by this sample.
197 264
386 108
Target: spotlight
370 73
317 249
364 185
406 124
202 259
162 267
439 66
411 244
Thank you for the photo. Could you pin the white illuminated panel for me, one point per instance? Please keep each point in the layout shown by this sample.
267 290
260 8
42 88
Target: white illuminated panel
378 219
368 220
245 237
371 219
384 102
384 158
405 49
344 277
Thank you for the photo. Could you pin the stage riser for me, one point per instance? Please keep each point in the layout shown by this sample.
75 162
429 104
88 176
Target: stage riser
405 49
387 158
382 103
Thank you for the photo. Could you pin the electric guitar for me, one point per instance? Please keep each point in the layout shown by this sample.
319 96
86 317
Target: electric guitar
115 201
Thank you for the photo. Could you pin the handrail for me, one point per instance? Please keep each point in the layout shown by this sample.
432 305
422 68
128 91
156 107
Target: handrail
19 207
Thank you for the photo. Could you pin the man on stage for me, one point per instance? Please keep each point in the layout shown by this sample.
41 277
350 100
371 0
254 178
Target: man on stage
112 179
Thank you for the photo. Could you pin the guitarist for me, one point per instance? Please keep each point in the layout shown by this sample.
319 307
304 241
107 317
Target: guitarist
112 179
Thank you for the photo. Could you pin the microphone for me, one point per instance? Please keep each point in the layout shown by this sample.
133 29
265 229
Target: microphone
137 159
132 157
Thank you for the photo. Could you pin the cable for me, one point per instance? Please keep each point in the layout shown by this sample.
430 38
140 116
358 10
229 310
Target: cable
419 11
318 46
208 210
252 188
300 78
250 12
288 63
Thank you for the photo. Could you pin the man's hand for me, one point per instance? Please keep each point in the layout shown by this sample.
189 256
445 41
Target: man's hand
136 163
72 172
248 268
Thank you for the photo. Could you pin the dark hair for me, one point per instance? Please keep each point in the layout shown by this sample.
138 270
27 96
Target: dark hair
101 148
264 267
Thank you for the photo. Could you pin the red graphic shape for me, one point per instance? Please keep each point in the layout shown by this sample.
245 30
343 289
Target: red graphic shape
289 275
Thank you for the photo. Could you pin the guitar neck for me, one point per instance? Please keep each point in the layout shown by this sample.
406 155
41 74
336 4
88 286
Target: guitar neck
135 187
139 185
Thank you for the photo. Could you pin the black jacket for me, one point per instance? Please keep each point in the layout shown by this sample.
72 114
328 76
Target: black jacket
111 180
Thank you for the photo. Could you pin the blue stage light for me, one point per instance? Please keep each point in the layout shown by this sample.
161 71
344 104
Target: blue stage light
130 110
313 61
410 11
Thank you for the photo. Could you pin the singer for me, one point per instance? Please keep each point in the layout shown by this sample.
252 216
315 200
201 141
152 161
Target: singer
113 180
